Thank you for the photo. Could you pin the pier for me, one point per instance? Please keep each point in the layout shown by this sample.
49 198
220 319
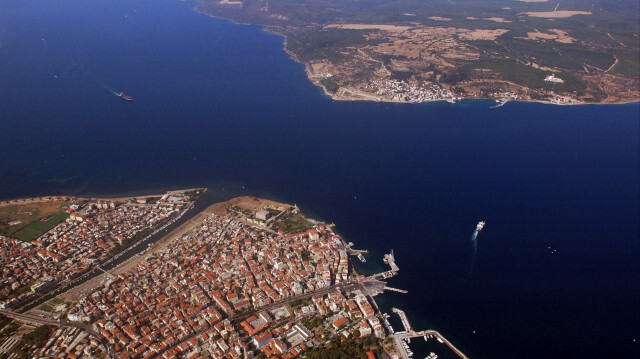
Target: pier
359 253
426 333
408 333
383 275
404 319
355 252
396 290
390 259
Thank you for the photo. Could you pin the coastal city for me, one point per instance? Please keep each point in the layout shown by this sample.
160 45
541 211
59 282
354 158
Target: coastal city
91 233
247 278
319 179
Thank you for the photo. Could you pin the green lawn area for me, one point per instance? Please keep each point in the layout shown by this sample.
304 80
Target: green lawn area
36 229
294 224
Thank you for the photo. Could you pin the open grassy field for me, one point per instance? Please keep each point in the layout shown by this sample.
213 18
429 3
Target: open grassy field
36 229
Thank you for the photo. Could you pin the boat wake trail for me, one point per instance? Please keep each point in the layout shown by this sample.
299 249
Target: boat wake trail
474 241
89 75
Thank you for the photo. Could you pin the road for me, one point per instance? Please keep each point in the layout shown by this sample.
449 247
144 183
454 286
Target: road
59 323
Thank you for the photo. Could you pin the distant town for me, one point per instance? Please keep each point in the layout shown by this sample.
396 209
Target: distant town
247 278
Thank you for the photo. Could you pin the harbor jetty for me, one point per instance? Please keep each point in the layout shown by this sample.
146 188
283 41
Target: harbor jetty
390 259
401 338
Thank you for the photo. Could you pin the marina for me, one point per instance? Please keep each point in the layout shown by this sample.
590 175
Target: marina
357 252
403 338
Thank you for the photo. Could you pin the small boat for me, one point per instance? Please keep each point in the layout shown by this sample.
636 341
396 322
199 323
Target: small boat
125 97
480 226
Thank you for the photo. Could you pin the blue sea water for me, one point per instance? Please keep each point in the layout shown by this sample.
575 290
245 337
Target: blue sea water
557 271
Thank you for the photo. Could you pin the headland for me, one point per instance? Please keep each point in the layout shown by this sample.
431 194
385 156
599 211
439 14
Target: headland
405 52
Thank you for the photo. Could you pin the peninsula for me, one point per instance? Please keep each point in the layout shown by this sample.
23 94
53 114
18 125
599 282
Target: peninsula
246 278
409 51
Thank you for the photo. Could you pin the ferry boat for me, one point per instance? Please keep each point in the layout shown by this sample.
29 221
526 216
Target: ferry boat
480 226
125 97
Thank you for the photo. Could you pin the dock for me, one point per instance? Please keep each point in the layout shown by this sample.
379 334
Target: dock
404 319
357 252
408 333
396 290
440 337
390 259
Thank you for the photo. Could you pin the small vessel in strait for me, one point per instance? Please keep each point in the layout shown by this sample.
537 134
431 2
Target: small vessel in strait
125 97
480 226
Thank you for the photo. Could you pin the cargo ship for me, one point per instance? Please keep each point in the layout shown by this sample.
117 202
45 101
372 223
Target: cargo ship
480 226
125 97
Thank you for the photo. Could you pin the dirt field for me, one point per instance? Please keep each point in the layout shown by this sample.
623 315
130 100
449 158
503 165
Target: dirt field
481 34
14 217
439 18
497 19
559 36
393 28
557 14
246 203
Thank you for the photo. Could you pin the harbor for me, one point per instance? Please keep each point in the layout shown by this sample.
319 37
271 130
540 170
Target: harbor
403 338
390 259
357 252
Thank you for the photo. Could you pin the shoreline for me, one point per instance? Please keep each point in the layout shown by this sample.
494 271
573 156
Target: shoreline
453 101
75 293
64 198
334 97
